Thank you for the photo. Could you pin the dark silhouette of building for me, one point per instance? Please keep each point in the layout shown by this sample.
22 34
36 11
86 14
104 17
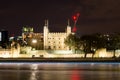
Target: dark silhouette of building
4 40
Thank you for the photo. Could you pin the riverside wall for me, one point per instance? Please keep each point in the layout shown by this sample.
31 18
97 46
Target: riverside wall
15 53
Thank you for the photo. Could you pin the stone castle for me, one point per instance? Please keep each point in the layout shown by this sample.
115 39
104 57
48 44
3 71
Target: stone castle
51 40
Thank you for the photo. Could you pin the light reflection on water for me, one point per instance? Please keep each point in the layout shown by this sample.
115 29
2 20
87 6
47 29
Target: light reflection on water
59 71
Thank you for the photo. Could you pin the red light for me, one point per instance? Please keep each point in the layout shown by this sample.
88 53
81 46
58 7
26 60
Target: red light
78 14
74 29
75 75
74 18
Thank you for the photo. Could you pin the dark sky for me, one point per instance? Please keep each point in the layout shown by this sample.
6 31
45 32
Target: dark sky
95 15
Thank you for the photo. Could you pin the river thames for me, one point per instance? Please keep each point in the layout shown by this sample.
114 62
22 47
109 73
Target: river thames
60 71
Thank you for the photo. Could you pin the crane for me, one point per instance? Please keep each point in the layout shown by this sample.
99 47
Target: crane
75 19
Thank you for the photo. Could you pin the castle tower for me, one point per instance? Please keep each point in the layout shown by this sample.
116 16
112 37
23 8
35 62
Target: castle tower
68 28
46 34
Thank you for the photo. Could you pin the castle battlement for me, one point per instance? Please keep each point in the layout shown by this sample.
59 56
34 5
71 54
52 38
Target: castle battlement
57 33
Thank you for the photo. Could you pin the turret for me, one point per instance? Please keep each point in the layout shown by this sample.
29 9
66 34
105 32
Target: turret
46 31
68 28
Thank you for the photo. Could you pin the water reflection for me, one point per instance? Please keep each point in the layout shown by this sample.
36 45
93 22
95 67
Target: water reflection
34 68
59 71
76 75
33 75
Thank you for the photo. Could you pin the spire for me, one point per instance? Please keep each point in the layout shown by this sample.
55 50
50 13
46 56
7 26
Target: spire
45 23
68 22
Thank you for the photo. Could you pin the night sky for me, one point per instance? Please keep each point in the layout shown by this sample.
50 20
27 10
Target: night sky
96 16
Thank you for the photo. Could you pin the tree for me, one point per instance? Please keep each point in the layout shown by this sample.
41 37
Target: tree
73 42
87 43
93 42
114 43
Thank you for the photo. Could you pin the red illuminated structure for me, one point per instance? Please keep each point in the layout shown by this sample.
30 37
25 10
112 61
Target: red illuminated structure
75 19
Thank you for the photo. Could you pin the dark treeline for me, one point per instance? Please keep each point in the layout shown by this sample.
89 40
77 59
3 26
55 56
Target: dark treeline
91 43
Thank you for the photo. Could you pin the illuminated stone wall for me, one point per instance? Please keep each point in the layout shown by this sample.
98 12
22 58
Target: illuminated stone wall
6 53
103 53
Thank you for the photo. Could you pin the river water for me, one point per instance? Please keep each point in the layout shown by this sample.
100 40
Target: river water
60 71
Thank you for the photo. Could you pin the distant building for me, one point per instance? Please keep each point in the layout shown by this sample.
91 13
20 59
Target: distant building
55 40
29 35
0 36
4 36
4 39
26 32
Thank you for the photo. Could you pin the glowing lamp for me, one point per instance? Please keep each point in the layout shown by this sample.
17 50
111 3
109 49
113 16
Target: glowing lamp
34 41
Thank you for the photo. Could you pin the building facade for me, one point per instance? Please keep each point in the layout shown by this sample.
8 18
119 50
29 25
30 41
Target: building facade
29 36
27 32
4 40
55 40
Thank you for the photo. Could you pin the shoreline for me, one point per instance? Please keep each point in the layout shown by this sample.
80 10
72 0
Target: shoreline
59 60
